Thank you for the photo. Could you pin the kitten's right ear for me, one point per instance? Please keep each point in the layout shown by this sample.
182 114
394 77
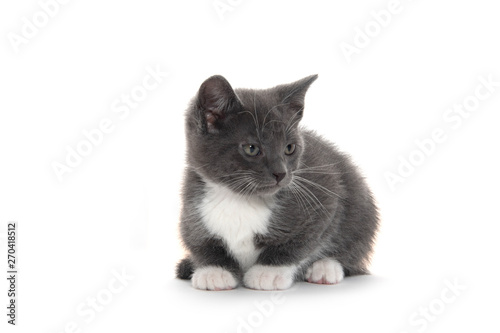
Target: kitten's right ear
216 99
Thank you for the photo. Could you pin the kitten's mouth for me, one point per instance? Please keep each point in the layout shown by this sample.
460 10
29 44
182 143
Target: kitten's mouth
272 188
269 190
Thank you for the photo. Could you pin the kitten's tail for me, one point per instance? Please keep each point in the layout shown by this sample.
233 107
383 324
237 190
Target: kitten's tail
184 269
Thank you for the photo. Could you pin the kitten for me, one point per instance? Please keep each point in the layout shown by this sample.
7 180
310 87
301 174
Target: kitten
266 202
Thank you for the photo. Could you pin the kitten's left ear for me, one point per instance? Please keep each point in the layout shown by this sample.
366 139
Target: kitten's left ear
294 93
216 99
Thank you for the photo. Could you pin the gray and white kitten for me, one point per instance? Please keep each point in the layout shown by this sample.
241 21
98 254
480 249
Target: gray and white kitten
266 202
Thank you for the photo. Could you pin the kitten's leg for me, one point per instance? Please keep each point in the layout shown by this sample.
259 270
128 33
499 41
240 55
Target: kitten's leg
325 271
276 267
213 278
264 277
214 268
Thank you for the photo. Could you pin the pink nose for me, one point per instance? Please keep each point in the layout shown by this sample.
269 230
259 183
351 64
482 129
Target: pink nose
279 177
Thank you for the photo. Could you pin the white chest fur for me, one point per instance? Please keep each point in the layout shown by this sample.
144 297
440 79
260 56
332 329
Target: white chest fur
236 220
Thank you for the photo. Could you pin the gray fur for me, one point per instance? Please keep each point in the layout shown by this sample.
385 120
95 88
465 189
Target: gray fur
323 205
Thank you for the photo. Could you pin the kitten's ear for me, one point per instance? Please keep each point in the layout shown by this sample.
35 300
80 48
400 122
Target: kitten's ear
294 94
216 99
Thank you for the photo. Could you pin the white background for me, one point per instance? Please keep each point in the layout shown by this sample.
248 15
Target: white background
119 209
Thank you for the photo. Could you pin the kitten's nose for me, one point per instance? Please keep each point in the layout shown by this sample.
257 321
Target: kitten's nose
279 176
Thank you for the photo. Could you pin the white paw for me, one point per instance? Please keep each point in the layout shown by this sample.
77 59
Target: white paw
213 278
325 271
269 277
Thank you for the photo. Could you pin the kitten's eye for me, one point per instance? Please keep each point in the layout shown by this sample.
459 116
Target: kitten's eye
290 149
251 150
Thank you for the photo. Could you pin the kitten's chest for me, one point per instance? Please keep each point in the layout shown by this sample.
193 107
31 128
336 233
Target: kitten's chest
236 220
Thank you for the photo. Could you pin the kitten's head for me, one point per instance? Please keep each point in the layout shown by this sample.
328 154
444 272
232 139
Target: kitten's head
244 139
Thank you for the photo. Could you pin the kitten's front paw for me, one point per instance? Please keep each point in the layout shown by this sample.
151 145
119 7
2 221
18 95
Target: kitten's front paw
269 277
213 278
325 271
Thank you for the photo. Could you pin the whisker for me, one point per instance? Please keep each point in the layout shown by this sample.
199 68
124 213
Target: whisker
269 111
320 187
253 117
310 195
240 180
250 189
317 166
291 122
254 187
255 111
271 121
197 168
298 196
317 172
238 173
